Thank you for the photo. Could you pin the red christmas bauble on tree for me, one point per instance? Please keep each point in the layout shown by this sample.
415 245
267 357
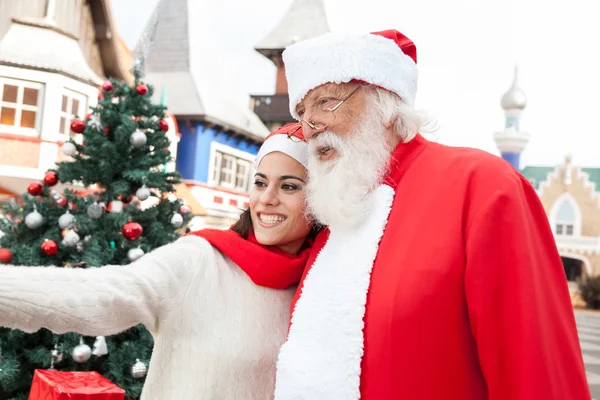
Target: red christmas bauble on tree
141 89
35 188
88 115
107 86
49 247
77 126
132 230
51 178
163 125
106 131
6 256
100 95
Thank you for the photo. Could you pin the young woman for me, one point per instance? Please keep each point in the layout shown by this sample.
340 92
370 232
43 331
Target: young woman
216 302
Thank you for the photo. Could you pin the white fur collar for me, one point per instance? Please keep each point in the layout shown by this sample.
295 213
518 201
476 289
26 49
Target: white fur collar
322 356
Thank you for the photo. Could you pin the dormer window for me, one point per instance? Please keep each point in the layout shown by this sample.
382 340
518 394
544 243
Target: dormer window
20 106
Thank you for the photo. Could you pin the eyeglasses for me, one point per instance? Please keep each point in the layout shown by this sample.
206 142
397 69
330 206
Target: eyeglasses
324 113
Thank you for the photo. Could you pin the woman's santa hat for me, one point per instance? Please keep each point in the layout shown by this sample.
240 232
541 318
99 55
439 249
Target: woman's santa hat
280 140
387 59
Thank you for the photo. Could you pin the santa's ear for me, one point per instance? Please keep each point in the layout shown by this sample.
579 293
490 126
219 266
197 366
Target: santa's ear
392 122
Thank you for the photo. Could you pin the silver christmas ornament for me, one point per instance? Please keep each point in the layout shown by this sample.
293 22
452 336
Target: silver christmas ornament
139 369
177 220
134 254
34 220
94 211
71 238
69 149
66 221
142 193
138 139
56 355
116 206
82 352
100 348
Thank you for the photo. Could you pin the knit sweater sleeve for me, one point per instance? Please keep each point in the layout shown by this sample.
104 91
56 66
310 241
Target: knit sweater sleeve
100 301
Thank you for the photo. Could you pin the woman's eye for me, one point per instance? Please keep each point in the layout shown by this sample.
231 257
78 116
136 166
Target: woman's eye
259 184
288 186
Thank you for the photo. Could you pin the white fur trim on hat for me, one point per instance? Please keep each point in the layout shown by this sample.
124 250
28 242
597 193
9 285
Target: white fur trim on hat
297 150
341 58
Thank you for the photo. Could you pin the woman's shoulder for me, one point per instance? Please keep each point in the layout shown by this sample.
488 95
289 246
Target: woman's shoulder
187 250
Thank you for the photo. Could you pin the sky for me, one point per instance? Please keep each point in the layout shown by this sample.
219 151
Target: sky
467 51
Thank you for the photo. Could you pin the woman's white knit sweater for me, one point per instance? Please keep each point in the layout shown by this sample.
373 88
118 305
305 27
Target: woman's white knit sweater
217 334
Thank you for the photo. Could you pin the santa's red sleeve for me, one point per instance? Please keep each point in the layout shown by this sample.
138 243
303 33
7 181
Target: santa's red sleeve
518 300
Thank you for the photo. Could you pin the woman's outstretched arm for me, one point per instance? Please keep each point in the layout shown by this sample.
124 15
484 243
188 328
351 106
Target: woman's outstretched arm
100 301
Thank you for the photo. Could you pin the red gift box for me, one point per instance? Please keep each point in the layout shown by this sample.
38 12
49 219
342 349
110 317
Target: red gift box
57 385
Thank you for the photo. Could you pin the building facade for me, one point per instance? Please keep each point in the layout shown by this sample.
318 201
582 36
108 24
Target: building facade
220 136
570 194
53 57
303 20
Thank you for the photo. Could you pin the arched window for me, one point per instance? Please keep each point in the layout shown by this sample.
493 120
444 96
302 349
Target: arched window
565 216
565 219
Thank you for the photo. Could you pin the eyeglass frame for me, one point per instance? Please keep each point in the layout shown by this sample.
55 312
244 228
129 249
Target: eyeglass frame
312 125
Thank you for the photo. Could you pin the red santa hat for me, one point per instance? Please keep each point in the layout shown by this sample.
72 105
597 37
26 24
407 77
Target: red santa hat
387 59
279 141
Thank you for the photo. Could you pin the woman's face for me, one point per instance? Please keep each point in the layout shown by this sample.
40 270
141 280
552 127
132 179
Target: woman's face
277 203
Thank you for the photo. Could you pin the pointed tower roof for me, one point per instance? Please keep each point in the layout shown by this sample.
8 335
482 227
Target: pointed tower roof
185 60
304 19
514 98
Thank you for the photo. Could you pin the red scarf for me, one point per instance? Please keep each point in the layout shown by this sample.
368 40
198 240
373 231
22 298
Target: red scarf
267 266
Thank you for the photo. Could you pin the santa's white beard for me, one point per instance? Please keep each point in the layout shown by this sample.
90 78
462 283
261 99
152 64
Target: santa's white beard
338 190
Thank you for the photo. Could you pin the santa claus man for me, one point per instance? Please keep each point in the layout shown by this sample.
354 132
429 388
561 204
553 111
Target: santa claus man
438 277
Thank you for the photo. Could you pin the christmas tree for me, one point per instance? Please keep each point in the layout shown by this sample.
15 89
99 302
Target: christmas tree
118 204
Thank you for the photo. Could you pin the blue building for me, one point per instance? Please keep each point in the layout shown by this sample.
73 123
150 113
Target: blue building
219 134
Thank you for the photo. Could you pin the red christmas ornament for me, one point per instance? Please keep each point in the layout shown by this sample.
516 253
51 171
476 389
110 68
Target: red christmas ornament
35 188
132 230
63 202
141 89
163 125
77 126
6 256
100 95
106 131
51 178
88 115
107 86
49 247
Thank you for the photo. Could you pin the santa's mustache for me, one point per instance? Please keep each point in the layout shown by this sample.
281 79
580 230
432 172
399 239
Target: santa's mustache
325 141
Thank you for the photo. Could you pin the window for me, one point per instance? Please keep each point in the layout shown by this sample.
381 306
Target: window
230 168
565 219
227 171
242 173
20 106
72 104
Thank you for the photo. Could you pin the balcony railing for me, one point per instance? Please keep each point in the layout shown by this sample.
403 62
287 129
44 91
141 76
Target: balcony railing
272 108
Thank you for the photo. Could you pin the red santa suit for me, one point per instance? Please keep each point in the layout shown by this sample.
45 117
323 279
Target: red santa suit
451 289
